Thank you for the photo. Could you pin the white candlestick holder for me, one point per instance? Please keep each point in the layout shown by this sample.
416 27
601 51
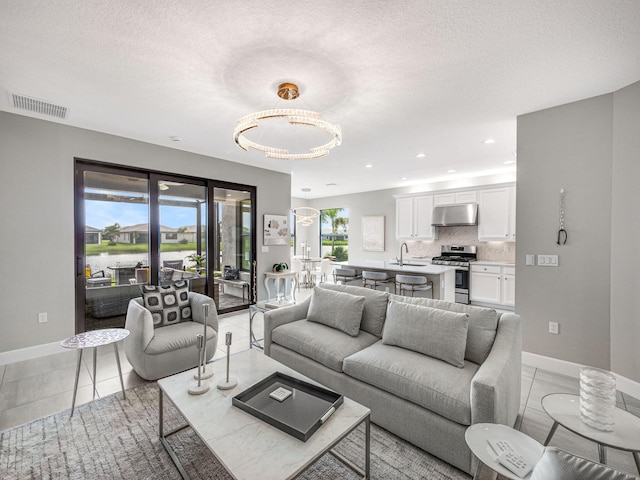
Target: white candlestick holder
199 387
230 382
202 367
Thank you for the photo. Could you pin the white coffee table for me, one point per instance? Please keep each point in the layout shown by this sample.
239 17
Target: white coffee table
477 436
245 445
564 409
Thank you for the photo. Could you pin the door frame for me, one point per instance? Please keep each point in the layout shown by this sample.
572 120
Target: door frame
82 165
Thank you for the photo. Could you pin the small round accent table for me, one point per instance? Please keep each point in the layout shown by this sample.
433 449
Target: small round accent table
95 339
477 436
564 409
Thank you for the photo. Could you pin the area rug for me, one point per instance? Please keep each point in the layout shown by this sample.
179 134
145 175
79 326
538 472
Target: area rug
113 438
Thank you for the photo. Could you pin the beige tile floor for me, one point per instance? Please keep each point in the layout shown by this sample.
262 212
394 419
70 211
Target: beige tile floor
35 388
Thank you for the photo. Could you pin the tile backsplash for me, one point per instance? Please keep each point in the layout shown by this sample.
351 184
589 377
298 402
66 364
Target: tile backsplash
487 251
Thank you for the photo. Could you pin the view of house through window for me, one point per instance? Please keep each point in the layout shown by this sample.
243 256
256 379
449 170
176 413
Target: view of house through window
334 233
136 227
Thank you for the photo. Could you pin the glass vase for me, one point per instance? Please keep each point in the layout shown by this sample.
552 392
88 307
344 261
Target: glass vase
597 398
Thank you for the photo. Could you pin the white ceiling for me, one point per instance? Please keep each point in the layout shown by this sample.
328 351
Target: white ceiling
401 78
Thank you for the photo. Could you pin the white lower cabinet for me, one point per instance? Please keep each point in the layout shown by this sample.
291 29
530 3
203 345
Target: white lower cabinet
492 284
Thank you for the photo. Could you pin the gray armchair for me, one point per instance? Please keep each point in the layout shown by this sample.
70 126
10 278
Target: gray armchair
162 351
557 464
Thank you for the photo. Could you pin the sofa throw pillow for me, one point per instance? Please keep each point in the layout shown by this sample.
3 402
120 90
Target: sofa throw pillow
483 324
437 333
375 306
337 310
168 305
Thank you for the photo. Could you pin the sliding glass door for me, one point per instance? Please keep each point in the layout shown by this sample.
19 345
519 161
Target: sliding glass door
134 227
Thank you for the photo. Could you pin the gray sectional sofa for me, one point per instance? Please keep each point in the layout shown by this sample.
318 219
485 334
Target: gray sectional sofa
427 368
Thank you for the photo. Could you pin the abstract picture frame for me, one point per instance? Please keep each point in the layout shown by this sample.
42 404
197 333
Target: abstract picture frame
373 233
276 229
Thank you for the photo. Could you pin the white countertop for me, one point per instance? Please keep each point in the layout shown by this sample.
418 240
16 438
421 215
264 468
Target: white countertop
424 268
501 264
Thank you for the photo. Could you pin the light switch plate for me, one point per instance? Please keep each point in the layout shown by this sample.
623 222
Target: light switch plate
530 260
548 260
265 249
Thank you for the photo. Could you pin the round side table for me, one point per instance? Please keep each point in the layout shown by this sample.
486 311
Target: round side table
564 409
95 339
477 436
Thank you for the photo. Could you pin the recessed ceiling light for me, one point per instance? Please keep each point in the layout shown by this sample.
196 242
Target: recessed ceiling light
176 139
403 179
489 141
368 166
509 162
421 155
451 171
306 189
331 184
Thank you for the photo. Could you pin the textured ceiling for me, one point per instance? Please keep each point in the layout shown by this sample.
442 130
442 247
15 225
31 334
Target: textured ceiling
401 78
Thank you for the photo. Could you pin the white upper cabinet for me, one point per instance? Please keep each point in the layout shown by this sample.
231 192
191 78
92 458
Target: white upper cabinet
413 218
496 214
456 197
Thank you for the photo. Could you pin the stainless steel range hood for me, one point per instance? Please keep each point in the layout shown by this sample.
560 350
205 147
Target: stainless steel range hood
459 215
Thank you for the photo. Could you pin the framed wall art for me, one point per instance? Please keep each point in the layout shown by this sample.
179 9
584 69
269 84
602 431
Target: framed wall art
373 233
276 230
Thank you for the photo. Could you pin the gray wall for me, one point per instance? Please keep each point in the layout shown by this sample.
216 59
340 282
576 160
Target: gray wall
625 233
591 149
36 216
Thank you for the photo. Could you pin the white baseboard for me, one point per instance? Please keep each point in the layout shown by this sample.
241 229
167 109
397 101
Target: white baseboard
30 353
571 369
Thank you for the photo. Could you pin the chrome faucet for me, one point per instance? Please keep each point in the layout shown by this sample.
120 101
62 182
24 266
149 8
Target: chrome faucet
406 249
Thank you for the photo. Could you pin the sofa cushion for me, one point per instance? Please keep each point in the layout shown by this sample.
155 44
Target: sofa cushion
318 342
336 309
437 333
483 324
168 305
178 336
423 380
375 306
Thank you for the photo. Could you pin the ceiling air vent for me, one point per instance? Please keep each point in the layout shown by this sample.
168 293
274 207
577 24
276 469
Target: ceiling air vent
38 106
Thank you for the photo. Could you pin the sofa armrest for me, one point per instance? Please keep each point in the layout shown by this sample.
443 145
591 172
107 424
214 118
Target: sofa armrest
280 316
197 300
139 322
495 388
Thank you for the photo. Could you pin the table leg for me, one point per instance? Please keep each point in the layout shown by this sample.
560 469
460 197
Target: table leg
367 448
484 473
95 363
266 286
75 386
551 432
636 457
115 347
294 285
602 454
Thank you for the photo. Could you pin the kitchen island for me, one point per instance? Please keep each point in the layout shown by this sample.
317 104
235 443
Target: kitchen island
442 276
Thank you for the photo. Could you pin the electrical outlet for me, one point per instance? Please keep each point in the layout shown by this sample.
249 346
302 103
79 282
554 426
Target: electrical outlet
548 260
553 328
42 317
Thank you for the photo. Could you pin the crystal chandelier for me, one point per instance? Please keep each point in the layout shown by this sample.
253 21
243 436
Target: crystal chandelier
287 91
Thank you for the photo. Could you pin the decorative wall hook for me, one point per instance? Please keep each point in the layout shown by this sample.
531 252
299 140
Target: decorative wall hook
562 233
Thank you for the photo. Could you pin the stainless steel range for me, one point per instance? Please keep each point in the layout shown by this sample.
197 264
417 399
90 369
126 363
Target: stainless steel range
460 257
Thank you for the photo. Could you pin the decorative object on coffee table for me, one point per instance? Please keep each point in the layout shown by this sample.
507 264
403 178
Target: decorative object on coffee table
597 398
202 367
229 383
199 387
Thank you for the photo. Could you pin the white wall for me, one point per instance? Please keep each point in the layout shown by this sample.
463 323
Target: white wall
591 148
382 202
37 216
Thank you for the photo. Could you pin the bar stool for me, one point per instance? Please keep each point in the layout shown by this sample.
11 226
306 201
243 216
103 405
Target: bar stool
372 279
345 275
413 283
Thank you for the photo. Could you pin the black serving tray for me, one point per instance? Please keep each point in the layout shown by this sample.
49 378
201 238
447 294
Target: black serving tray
300 415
